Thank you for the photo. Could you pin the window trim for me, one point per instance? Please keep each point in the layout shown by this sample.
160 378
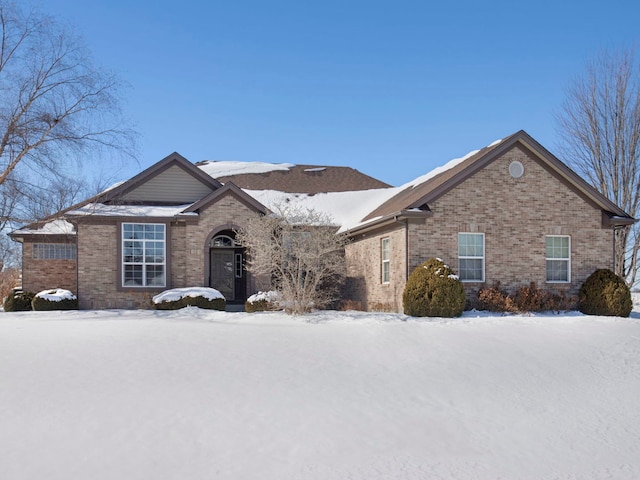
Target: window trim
467 257
568 259
121 262
385 260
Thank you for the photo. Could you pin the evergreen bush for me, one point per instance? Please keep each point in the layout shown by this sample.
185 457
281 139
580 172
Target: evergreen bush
200 302
262 302
201 297
18 301
433 290
56 299
605 293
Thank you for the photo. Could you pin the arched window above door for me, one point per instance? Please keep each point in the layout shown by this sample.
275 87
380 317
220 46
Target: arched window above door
222 241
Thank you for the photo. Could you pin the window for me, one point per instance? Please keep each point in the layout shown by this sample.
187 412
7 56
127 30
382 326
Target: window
385 255
471 257
54 251
143 255
558 254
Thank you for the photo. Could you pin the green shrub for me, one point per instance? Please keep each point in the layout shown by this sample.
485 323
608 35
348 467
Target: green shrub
433 290
605 293
18 301
182 297
56 299
262 302
200 302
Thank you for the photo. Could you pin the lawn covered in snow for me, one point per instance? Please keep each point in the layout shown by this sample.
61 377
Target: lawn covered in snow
197 394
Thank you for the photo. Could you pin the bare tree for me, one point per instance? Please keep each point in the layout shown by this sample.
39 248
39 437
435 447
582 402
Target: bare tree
56 108
600 126
301 253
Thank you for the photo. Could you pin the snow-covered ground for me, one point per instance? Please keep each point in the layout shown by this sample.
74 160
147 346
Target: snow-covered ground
197 394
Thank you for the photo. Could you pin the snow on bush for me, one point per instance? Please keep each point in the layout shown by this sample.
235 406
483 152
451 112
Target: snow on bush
433 290
203 297
263 301
54 299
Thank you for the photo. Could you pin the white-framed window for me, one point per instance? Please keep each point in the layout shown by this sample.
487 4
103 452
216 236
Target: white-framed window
385 260
471 257
558 256
144 255
54 251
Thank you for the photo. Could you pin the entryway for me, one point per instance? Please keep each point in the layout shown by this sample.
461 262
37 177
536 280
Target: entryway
226 273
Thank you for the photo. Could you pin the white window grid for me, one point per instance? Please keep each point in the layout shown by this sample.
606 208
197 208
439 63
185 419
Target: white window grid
556 253
145 246
471 251
385 255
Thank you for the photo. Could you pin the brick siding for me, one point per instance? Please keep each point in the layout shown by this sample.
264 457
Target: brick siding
40 274
188 250
514 214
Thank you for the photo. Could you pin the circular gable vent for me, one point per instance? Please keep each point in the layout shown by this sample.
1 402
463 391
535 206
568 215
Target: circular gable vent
516 169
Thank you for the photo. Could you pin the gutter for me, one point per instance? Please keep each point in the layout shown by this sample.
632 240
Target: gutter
398 217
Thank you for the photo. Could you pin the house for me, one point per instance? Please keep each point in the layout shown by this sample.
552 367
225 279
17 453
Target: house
510 212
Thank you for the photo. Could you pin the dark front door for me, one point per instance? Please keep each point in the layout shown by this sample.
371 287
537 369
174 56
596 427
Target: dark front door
222 273
227 273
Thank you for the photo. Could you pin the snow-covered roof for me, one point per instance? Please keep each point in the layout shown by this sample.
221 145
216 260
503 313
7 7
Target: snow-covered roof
346 209
100 209
54 227
217 169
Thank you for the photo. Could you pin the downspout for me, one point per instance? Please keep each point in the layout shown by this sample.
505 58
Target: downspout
615 230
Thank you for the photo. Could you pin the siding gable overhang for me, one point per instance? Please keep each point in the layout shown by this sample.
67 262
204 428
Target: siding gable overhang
175 160
422 195
228 188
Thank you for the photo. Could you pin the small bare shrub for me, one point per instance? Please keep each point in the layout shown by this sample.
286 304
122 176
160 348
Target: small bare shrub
493 299
530 298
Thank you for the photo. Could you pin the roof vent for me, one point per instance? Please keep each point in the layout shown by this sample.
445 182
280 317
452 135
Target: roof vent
516 169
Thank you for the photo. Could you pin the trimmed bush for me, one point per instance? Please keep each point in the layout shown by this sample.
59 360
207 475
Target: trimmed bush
433 290
605 293
18 301
56 299
201 297
262 302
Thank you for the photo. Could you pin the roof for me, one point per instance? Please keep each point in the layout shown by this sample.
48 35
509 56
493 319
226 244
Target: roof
418 193
291 178
353 200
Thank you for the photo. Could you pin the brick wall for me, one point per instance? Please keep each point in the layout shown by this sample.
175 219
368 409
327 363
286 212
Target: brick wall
227 212
188 251
39 274
364 274
515 215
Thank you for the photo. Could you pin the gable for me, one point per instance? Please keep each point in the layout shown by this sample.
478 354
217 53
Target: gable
229 189
420 193
172 181
173 185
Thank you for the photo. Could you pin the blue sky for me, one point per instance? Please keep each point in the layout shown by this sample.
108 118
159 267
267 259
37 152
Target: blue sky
392 88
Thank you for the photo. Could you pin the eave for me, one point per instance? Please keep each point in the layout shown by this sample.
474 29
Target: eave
402 216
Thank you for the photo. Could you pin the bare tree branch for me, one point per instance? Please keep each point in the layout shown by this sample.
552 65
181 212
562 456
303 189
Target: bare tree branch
56 107
302 254
600 127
